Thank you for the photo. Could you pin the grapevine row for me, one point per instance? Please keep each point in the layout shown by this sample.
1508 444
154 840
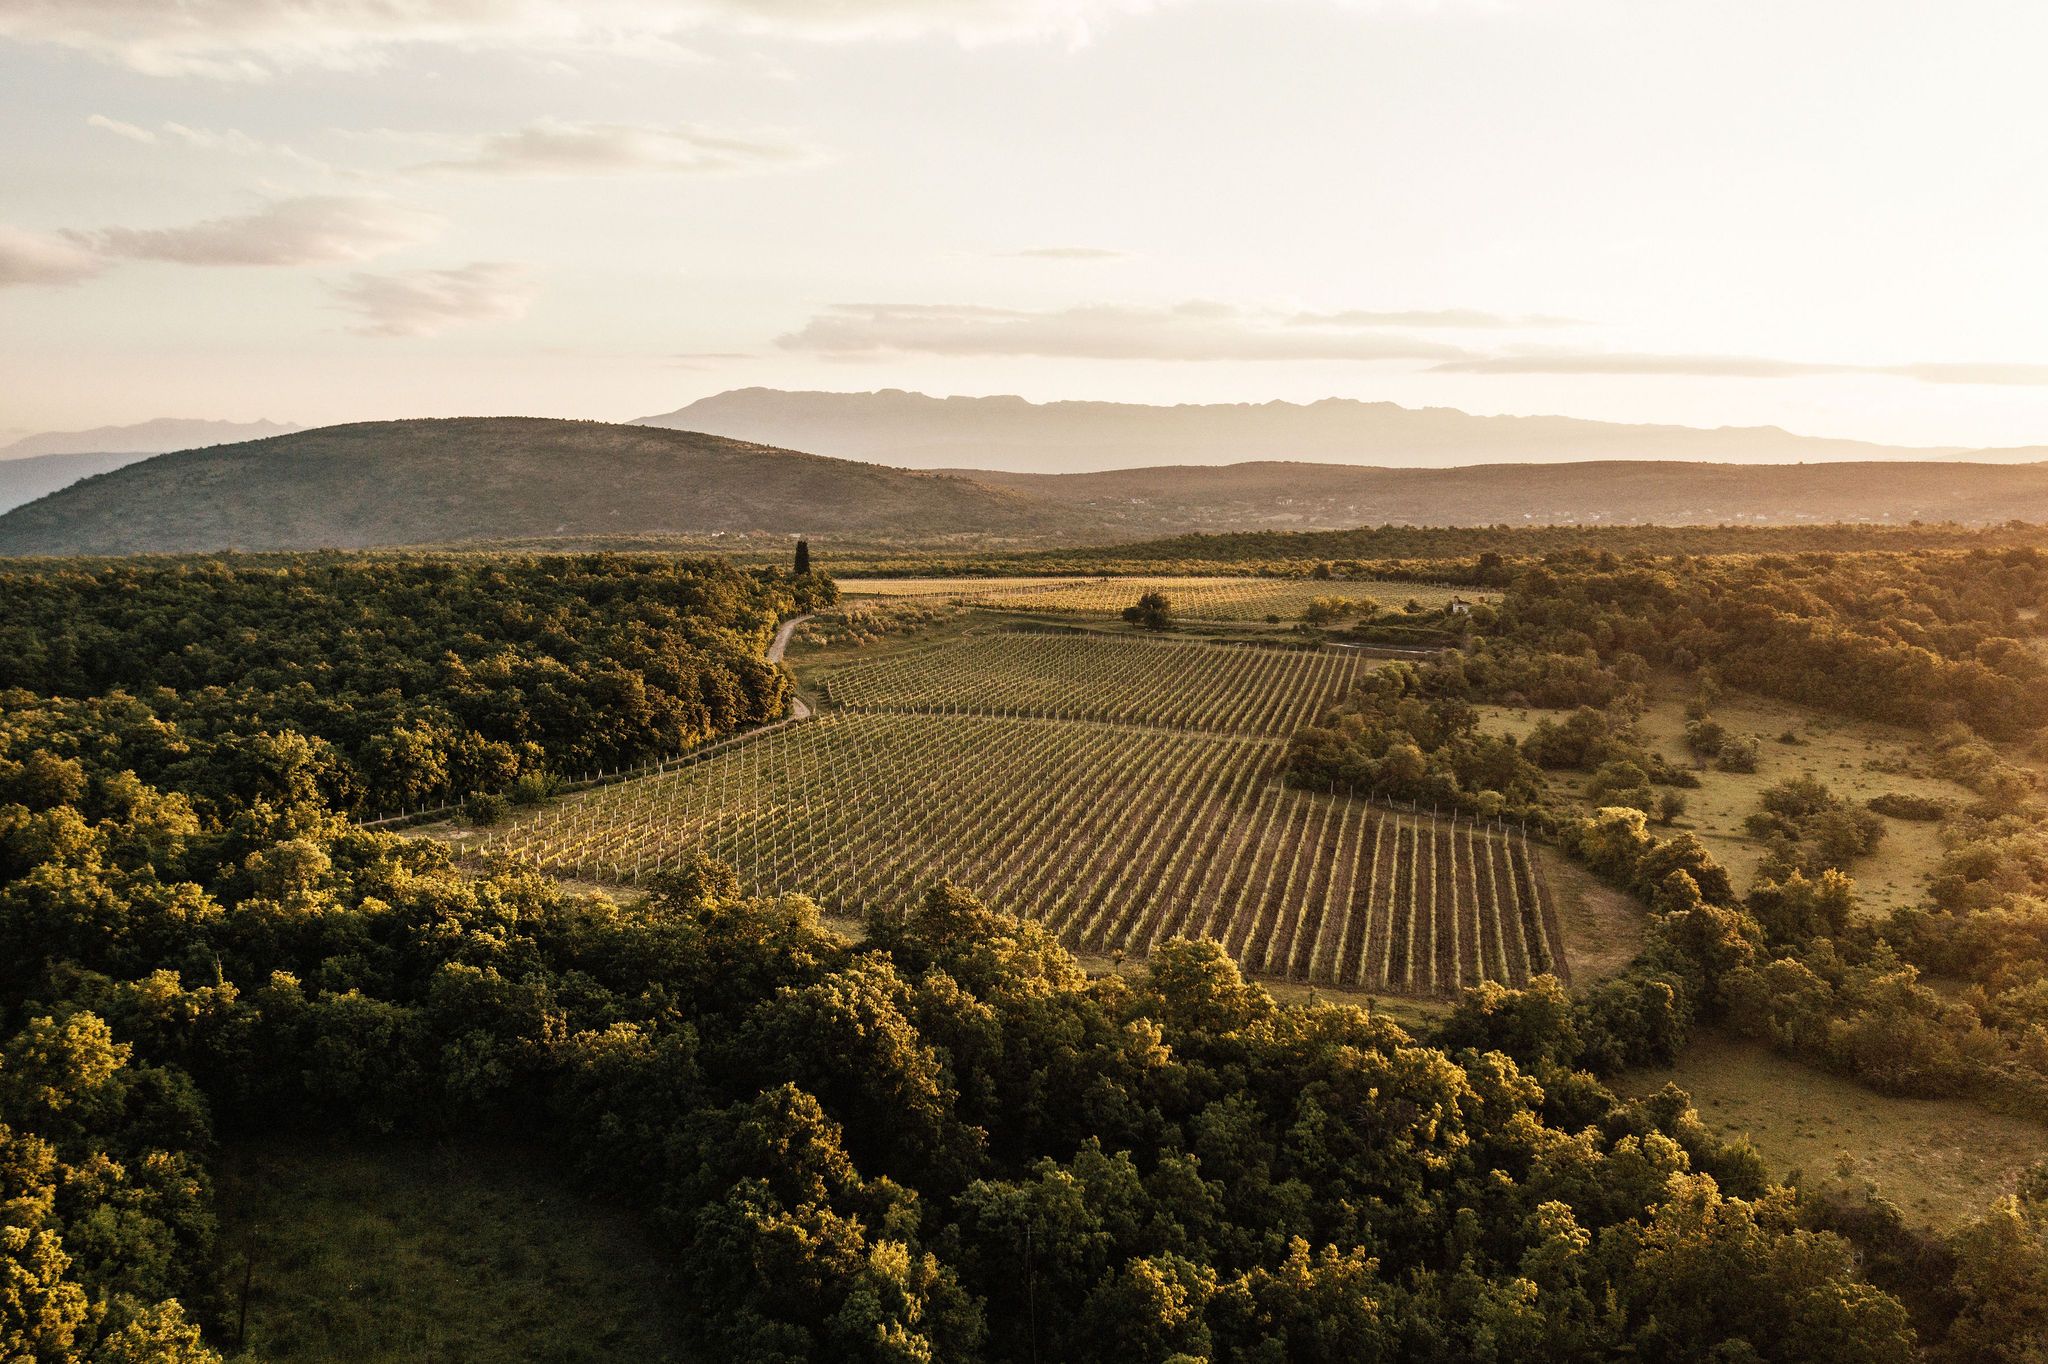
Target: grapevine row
1116 838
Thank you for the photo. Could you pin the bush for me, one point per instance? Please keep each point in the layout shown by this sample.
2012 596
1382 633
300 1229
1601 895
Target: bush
485 808
1152 611
1739 755
535 787
1900 805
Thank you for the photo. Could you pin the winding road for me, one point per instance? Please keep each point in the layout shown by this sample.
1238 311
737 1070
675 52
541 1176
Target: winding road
797 709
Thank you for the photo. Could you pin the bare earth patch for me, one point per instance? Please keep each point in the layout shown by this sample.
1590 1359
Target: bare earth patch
1603 927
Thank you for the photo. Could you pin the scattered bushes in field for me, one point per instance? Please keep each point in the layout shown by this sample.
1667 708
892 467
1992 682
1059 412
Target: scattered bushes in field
1903 805
1806 827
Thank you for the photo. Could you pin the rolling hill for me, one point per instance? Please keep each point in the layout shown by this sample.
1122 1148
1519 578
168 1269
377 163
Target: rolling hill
1007 433
536 481
1594 492
466 479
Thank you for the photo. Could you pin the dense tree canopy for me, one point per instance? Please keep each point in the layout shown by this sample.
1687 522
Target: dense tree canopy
407 682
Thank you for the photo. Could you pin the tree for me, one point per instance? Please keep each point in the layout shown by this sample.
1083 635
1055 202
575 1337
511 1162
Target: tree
2002 1277
1153 612
803 557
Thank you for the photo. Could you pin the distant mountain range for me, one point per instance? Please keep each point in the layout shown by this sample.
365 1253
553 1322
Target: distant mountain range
1010 434
38 465
467 480
143 438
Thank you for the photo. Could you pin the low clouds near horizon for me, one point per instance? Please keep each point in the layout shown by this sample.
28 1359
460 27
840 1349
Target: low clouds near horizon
1187 331
1208 331
1743 367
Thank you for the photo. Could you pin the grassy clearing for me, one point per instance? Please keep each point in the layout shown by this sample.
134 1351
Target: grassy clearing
1601 926
412 1252
1941 1161
1858 759
1213 598
1846 754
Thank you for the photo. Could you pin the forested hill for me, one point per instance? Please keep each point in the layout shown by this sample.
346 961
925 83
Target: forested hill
541 482
1591 492
462 479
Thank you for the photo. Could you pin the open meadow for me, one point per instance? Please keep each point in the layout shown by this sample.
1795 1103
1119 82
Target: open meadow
409 1251
1940 1160
1196 598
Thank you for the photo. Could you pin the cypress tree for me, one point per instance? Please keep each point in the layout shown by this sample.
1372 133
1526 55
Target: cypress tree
803 557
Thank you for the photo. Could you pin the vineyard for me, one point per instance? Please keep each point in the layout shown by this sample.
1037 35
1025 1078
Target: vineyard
1121 792
1214 599
1230 688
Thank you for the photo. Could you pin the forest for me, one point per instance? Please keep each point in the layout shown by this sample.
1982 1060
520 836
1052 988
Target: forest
398 682
940 1138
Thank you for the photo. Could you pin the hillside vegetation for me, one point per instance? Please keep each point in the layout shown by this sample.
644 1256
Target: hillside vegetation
426 482
524 482
1588 490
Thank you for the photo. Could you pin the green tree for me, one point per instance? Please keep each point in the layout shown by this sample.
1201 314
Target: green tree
1151 612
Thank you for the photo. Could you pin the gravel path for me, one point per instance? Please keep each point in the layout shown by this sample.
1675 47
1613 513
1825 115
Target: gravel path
797 709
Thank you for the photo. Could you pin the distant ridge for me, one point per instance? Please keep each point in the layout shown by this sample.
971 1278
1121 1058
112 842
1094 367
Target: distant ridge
25 480
491 478
1285 496
1010 434
143 438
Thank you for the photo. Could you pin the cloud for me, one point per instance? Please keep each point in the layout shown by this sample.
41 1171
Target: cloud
253 39
1069 253
115 126
313 230
1739 367
1449 318
551 147
1189 331
232 141
33 258
428 302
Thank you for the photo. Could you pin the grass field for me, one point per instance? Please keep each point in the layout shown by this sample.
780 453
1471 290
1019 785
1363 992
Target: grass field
419 1253
1122 791
1857 759
1942 1161
1214 599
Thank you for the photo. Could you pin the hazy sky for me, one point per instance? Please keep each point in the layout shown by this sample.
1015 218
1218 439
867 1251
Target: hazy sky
1827 214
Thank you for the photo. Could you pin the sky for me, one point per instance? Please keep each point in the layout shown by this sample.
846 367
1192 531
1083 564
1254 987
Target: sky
1827 215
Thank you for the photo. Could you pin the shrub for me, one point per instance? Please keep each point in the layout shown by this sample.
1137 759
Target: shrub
1900 805
534 787
1739 755
485 807
1152 611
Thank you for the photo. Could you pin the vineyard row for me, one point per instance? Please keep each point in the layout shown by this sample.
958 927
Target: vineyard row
1226 688
1115 838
